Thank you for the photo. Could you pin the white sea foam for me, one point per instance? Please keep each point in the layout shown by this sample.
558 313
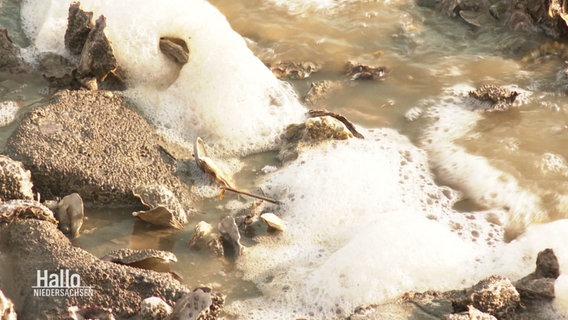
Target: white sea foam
8 111
365 222
474 175
224 93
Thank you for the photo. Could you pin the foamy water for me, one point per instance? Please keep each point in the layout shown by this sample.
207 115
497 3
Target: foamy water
367 219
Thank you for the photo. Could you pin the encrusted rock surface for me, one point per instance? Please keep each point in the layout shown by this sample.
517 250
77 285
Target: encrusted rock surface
92 143
539 285
13 210
43 247
78 27
16 180
11 60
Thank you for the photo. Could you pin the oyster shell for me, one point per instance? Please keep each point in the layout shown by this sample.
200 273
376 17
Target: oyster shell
208 166
273 221
165 208
201 230
145 259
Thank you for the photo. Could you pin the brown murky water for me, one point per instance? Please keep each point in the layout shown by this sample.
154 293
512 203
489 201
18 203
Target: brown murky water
426 54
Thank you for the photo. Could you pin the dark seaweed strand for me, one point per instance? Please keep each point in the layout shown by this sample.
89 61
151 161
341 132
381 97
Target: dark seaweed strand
347 123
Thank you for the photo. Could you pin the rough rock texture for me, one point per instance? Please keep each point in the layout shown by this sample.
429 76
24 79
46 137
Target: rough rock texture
293 69
92 143
97 56
493 98
495 295
15 180
539 285
78 27
38 245
165 208
470 314
201 304
11 60
154 308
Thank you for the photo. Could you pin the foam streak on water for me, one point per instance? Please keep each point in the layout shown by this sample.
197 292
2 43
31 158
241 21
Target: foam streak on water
224 93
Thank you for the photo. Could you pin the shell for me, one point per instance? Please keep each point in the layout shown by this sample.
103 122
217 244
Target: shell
24 209
230 234
207 164
201 230
144 259
165 208
273 221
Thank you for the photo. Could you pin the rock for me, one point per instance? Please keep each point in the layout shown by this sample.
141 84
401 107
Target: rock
215 246
16 180
147 259
200 304
319 90
539 285
294 70
313 131
496 296
70 213
154 308
357 71
493 98
88 313
11 61
348 124
79 26
165 208
14 210
547 265
39 245
230 236
7 311
97 57
471 314
91 143
175 48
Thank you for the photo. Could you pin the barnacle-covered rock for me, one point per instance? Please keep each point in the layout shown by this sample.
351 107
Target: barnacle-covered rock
78 27
165 208
293 69
321 125
97 56
357 71
16 180
493 98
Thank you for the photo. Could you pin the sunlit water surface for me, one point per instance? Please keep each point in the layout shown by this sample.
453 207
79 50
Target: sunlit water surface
514 161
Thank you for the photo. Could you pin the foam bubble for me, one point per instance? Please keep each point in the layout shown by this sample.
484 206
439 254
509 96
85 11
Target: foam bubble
8 111
365 222
224 93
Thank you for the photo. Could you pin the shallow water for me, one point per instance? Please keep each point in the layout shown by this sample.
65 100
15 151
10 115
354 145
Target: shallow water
514 160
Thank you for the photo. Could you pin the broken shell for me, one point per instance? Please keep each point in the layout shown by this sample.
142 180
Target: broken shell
230 234
201 230
70 213
145 259
165 208
273 221
24 209
207 165
159 216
